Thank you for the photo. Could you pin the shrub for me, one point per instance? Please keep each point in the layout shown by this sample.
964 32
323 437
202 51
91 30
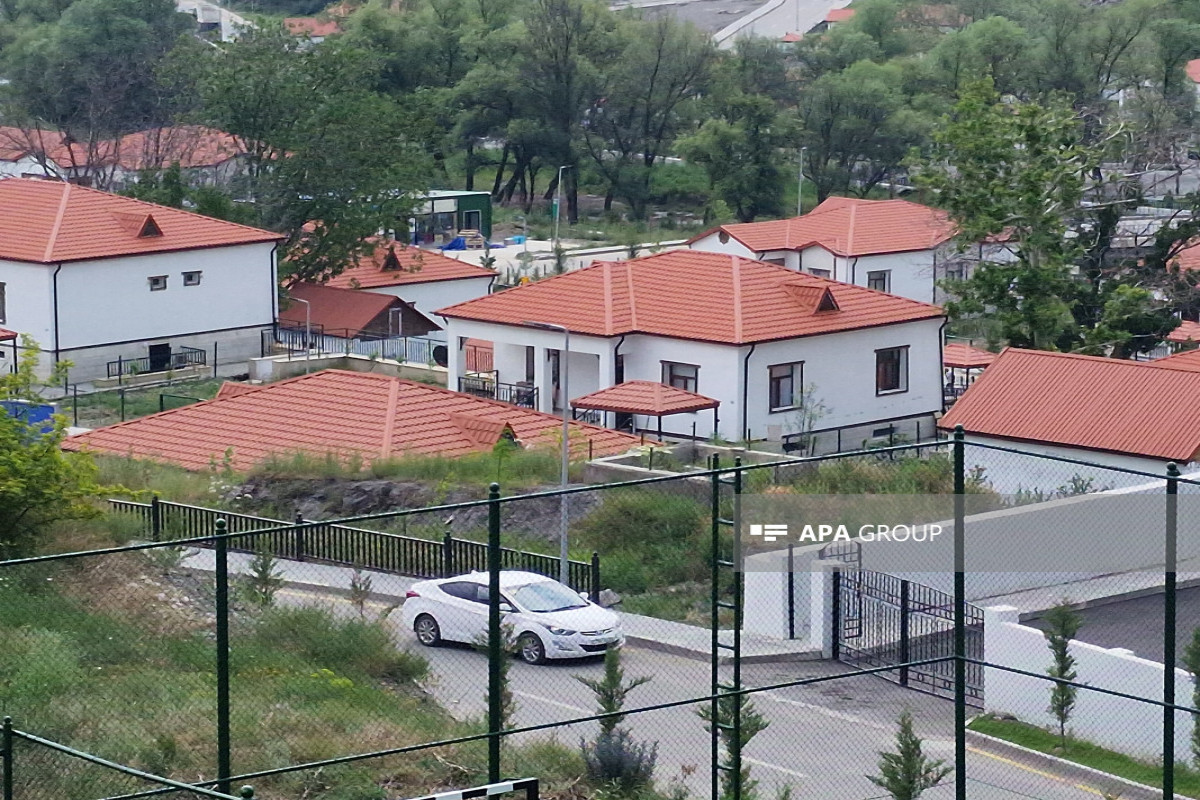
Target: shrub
365 647
615 760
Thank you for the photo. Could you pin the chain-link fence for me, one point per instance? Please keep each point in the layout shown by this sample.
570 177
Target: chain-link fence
1005 639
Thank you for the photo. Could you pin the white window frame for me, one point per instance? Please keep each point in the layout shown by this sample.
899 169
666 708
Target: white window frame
875 274
193 277
157 278
797 388
902 378
671 373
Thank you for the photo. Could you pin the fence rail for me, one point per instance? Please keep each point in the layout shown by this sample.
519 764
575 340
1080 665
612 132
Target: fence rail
511 393
176 359
331 543
405 349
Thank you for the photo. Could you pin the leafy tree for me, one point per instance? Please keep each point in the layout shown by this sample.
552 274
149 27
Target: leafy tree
330 162
1062 624
740 155
1191 662
40 484
908 772
614 758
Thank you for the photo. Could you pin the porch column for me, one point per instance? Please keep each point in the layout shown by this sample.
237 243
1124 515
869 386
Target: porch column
541 379
608 369
455 358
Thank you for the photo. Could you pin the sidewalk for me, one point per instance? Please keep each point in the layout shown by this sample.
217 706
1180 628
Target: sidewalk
1091 592
677 638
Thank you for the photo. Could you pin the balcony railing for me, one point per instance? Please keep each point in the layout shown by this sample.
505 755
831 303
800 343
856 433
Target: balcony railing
177 359
513 394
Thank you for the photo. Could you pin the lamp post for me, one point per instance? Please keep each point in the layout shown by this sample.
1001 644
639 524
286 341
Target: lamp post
307 332
558 203
564 367
800 184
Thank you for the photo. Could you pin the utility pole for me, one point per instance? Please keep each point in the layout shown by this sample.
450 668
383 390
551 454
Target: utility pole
800 184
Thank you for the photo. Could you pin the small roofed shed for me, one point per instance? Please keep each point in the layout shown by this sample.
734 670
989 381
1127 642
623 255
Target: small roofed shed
964 363
649 399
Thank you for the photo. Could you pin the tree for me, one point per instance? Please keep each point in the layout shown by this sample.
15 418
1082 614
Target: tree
752 723
612 690
1191 662
264 579
40 484
908 772
330 163
614 758
740 155
1062 624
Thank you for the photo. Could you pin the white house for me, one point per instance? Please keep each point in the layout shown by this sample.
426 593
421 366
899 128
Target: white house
111 283
426 279
891 246
1110 413
791 357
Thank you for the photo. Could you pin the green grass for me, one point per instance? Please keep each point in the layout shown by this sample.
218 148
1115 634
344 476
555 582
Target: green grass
109 657
105 408
1187 779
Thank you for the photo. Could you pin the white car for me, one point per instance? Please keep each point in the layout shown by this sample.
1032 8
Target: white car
548 620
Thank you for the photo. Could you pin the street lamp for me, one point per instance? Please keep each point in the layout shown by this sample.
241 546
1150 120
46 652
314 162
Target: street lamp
800 185
307 332
558 203
564 367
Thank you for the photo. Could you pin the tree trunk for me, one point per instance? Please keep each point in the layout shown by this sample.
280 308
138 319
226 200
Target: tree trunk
500 173
608 199
572 193
470 166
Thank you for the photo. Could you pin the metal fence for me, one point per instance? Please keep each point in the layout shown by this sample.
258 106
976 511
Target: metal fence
406 349
195 659
178 358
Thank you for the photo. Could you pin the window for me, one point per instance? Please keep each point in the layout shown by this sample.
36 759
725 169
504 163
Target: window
784 380
3 312
891 370
461 589
781 261
471 220
192 278
880 280
821 273
158 283
681 376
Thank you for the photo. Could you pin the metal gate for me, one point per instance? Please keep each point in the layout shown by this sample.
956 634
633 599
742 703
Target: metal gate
881 620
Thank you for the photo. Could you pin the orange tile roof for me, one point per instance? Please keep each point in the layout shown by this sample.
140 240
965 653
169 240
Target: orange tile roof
1187 331
690 294
963 356
1188 258
1186 360
311 26
47 222
850 227
6 335
338 412
394 264
340 310
234 388
645 397
1141 408
790 37
16 143
1193 70
191 146
840 14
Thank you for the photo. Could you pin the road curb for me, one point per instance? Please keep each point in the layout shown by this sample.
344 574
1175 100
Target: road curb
1124 788
705 656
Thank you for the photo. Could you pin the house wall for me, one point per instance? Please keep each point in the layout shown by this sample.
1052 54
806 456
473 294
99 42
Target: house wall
840 369
1113 722
713 244
28 303
430 296
109 301
232 347
22 167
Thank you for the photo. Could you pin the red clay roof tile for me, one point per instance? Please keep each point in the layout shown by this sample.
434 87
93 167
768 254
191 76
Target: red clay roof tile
689 294
47 222
342 310
850 227
645 397
1142 408
1187 331
394 264
963 356
336 412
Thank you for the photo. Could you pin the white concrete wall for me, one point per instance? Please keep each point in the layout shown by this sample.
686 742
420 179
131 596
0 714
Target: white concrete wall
109 301
773 19
1009 472
811 258
23 166
713 244
233 347
29 305
912 273
841 369
433 295
1116 723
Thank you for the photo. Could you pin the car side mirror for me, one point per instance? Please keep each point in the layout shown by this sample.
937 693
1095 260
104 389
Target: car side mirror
585 596
505 608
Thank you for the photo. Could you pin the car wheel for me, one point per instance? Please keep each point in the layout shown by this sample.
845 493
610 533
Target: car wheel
531 649
427 630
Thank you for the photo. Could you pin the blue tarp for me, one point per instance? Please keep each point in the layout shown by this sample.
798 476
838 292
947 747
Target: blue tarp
459 243
30 413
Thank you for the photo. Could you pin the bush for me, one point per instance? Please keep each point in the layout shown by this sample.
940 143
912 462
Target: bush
615 760
358 646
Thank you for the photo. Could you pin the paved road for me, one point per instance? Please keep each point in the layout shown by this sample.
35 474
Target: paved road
822 739
1137 624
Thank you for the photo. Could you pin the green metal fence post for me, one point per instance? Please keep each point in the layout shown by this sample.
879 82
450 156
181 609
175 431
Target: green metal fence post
1169 643
737 629
447 555
298 538
715 588
6 744
224 762
155 520
594 594
495 650
960 618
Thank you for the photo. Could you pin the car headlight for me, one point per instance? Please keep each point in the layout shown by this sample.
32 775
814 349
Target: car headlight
561 631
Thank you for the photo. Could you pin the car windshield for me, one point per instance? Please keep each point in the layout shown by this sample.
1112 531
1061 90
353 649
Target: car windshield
547 596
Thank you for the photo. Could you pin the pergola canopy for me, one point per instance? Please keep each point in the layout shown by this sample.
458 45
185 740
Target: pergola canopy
7 335
645 397
964 356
